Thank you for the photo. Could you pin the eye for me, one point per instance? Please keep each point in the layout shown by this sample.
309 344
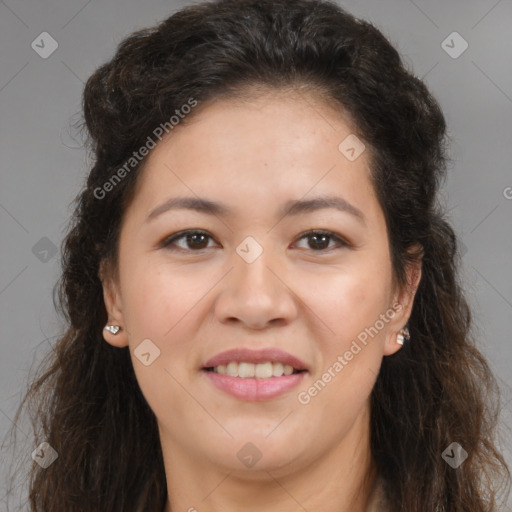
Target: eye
197 240
320 239
194 240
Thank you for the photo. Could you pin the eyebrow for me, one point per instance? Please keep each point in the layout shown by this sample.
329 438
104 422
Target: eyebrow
292 207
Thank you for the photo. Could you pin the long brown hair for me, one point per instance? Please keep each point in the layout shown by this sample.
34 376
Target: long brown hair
436 390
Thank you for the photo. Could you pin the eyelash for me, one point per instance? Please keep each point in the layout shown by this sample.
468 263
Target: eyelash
315 232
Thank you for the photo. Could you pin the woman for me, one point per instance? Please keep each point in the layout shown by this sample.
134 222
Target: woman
261 287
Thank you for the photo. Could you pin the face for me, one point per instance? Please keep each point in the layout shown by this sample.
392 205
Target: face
268 274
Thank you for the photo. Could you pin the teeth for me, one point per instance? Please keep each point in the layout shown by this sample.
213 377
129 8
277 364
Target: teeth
250 370
277 369
246 370
262 370
232 369
287 369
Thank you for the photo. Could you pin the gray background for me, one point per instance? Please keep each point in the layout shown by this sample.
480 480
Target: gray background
43 164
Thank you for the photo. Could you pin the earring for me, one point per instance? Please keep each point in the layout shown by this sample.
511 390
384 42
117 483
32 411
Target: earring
114 329
403 335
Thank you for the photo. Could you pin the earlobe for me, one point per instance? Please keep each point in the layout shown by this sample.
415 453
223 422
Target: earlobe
119 339
403 335
403 301
113 331
114 335
396 340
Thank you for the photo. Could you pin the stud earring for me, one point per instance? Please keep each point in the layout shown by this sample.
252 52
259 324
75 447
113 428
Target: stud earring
114 329
403 335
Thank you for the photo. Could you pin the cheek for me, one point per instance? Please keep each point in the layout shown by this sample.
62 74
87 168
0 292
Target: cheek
157 298
169 306
347 301
163 307
350 305
350 358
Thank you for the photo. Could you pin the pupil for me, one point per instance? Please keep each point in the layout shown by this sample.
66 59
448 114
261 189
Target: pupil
193 236
323 237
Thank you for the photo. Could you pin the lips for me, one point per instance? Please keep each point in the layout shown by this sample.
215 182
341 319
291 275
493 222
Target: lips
243 355
250 383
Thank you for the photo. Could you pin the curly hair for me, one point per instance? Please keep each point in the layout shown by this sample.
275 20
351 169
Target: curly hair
85 400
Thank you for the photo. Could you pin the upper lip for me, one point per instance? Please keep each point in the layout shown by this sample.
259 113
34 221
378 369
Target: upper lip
245 355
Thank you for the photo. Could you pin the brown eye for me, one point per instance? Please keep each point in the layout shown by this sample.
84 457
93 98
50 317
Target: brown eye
196 241
320 240
193 240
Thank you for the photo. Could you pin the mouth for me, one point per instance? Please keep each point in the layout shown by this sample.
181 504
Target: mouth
245 370
260 364
255 375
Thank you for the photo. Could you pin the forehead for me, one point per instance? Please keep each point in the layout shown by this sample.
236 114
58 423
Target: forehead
258 151
273 126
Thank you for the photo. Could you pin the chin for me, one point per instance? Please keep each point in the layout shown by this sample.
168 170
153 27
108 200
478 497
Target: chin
250 455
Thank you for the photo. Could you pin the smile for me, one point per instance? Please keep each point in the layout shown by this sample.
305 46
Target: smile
254 375
244 370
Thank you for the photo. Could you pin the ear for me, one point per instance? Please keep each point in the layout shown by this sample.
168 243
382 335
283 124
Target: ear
113 305
402 302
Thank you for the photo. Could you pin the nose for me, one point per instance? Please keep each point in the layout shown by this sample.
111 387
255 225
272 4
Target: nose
256 294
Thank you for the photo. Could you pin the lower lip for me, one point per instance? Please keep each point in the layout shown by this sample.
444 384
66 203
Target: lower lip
255 390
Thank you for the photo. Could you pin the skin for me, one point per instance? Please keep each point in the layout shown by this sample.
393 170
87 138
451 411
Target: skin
307 298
